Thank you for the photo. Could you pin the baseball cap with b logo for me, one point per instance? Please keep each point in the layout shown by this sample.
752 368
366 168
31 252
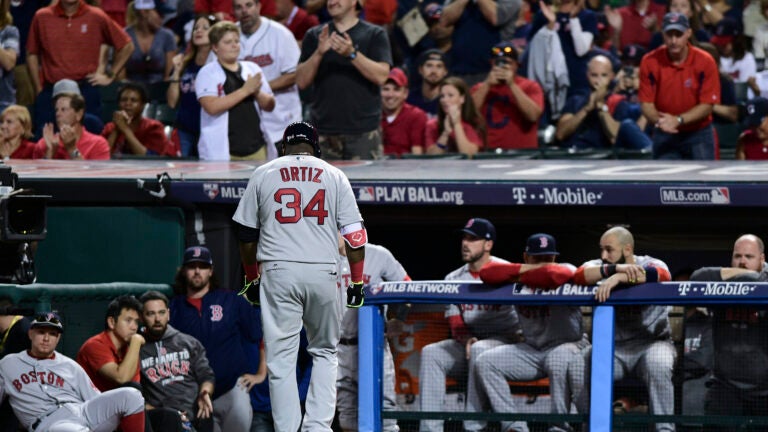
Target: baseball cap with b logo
757 110
197 254
49 319
480 228
541 244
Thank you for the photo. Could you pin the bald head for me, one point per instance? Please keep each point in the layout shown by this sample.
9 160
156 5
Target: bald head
599 71
617 246
748 253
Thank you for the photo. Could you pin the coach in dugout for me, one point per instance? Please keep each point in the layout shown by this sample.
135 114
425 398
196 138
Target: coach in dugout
679 85
740 382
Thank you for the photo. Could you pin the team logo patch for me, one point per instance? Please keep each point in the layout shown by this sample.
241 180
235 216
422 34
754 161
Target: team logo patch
217 313
376 289
211 189
688 83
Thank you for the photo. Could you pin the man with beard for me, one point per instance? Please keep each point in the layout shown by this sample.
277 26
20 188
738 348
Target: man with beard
175 376
224 323
402 124
474 328
432 69
643 338
740 382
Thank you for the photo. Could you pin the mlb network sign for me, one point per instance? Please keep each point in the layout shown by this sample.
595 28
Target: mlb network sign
696 195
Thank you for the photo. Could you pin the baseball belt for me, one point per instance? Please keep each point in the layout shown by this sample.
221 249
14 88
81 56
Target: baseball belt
348 341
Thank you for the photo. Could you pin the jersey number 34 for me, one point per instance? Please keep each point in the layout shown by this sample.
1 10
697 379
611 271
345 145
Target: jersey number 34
291 211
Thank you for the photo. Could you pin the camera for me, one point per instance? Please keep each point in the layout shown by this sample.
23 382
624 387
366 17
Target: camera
629 71
501 61
23 222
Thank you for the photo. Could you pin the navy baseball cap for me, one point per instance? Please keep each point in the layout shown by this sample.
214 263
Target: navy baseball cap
726 31
300 132
197 254
480 228
632 54
432 54
675 21
541 244
757 110
504 49
47 319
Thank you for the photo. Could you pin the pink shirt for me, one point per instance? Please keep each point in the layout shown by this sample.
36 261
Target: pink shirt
433 134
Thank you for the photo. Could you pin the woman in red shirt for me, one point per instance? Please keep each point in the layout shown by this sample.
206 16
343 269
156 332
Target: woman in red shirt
458 126
15 131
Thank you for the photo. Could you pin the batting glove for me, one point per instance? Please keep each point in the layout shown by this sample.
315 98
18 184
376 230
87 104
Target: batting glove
250 291
355 295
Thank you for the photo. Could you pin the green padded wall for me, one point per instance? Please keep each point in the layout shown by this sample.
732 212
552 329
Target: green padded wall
111 244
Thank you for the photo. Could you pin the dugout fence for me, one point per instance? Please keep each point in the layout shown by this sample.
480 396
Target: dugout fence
601 416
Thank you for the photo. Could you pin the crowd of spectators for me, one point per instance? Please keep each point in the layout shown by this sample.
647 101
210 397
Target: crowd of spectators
461 77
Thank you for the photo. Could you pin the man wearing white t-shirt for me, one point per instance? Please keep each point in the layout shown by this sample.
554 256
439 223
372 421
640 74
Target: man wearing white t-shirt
233 96
272 46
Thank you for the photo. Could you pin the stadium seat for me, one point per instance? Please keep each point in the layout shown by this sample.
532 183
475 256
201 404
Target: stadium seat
164 114
728 134
741 91
434 156
157 92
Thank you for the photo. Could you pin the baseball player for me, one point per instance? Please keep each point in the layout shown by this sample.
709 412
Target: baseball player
553 339
643 343
51 392
293 209
474 328
380 265
740 384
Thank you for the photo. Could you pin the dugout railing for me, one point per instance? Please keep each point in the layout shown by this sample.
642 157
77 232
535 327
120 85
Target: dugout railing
600 417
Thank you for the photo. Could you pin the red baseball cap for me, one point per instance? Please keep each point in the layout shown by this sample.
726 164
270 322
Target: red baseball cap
397 76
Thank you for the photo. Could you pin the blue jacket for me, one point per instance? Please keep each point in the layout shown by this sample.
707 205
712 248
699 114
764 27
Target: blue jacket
224 326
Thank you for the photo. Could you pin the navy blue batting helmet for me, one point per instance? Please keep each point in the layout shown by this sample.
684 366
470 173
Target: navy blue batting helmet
301 132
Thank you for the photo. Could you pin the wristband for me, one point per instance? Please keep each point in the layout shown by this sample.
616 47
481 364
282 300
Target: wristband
356 271
252 271
442 146
607 270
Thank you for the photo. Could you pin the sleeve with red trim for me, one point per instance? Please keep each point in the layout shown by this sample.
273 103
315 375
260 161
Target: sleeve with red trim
499 273
578 277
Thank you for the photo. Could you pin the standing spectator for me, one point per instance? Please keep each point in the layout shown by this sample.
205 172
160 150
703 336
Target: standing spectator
111 358
478 26
14 329
432 70
760 40
753 142
72 403
233 95
588 120
458 127
735 58
552 339
22 13
474 328
739 386
679 85
66 39
181 90
643 342
223 322
295 18
346 61
380 266
154 45
9 53
576 28
271 45
687 8
15 132
130 132
727 111
177 381
293 245
634 23
402 124
72 141
510 104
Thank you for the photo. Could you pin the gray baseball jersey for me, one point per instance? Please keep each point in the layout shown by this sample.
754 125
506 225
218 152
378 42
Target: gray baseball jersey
299 203
641 322
57 389
380 265
484 321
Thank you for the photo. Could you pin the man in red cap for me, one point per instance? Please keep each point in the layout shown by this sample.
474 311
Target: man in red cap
402 124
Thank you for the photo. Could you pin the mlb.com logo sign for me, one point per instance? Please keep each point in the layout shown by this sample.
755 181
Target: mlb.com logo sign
706 195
